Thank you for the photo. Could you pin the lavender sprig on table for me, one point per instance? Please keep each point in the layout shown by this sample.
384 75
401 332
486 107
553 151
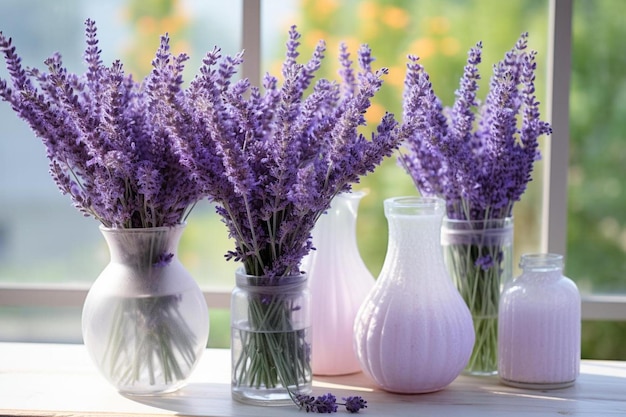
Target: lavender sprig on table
327 403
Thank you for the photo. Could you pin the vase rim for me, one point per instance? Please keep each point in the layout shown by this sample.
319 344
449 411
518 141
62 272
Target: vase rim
493 223
414 205
541 261
244 279
353 194
142 229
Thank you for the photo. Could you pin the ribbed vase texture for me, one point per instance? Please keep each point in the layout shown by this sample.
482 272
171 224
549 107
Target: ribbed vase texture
414 333
539 327
339 281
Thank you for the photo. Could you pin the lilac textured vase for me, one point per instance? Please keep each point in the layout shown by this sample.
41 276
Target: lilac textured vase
539 326
414 333
339 282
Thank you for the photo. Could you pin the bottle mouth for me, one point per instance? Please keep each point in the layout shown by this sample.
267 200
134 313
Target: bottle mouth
353 194
541 261
414 206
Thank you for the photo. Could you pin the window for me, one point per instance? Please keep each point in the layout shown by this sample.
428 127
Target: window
596 222
43 240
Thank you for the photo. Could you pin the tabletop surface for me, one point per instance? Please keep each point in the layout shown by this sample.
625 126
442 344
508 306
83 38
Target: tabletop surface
60 380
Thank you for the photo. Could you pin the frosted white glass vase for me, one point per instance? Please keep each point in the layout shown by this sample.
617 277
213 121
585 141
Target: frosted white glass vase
539 326
414 332
339 281
145 321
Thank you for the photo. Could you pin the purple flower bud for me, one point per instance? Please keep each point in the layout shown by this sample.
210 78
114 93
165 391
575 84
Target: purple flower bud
323 404
163 260
354 404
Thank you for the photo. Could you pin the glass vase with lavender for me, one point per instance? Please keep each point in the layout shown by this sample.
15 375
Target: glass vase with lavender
117 147
279 155
479 158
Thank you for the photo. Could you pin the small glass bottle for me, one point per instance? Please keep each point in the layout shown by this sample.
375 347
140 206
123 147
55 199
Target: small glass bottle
539 326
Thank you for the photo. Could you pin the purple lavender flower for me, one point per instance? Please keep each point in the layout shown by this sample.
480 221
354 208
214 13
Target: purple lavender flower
284 151
485 262
328 403
163 260
354 404
474 155
426 127
116 146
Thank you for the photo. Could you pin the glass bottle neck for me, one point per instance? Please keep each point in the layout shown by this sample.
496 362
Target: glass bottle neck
266 285
541 262
414 225
337 227
143 247
414 206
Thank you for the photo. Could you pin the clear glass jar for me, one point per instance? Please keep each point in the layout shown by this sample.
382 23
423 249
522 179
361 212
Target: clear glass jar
479 257
270 339
539 327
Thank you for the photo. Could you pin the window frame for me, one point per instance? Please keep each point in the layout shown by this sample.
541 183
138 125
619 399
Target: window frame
556 160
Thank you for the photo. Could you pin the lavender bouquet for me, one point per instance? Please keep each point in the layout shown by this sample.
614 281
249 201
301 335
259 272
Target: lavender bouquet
479 159
115 147
284 153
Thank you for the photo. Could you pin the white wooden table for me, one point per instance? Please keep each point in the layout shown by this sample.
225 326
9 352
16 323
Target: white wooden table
59 380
